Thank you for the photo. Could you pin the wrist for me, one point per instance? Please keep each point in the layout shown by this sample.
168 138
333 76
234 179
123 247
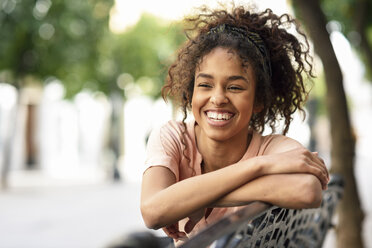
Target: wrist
258 166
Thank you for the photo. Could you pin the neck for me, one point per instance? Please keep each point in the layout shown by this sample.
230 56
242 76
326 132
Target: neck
219 154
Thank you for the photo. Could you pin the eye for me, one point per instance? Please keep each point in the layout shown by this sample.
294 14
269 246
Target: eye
205 85
235 88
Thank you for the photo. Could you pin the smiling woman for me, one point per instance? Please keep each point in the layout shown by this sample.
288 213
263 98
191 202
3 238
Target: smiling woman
239 71
223 98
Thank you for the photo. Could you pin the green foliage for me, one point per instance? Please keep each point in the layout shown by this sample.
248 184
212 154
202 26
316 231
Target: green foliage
318 93
58 38
347 13
341 11
71 40
146 50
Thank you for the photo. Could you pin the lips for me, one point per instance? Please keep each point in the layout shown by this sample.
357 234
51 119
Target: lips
218 118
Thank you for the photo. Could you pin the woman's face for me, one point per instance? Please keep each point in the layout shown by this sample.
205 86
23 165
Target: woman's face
223 96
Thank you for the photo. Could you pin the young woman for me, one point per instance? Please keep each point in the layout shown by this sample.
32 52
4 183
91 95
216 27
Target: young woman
238 72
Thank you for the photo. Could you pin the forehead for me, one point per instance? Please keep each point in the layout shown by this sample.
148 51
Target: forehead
223 59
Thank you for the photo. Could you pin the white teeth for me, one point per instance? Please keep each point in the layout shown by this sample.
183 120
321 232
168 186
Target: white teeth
219 116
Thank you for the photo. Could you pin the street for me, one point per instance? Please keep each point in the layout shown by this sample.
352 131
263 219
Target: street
68 216
42 212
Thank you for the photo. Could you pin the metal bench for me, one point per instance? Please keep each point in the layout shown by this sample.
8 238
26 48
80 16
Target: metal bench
259 225
262 225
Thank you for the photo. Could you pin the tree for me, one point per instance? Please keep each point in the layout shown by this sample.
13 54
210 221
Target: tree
61 38
70 40
146 50
142 54
349 228
354 15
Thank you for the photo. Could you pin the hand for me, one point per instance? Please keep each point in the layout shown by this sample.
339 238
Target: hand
194 218
324 187
299 160
174 232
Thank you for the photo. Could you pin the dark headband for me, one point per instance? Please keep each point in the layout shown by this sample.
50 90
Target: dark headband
253 38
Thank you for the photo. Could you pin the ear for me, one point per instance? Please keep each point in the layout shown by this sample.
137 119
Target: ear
257 108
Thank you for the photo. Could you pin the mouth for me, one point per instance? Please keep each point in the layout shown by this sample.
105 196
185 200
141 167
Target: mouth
219 116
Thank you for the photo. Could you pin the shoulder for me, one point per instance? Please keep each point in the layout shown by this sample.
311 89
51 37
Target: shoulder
173 128
277 143
172 134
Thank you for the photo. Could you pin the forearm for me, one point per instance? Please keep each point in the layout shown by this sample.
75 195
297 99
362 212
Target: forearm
163 201
283 190
176 201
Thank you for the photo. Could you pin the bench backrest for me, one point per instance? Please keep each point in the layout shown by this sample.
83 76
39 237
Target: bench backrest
262 225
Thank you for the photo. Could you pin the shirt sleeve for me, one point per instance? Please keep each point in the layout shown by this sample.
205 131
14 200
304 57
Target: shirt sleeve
278 143
163 149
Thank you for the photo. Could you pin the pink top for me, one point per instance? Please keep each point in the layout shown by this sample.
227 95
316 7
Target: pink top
165 148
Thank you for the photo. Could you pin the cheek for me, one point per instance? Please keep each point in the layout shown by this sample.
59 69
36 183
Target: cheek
197 103
246 104
194 106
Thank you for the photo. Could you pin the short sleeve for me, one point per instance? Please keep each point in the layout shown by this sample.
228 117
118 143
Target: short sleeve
278 143
163 149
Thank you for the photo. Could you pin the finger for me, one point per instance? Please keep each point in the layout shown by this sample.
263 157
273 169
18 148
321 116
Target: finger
180 235
171 229
323 170
314 169
323 177
316 161
321 161
167 231
174 234
169 234
189 226
184 239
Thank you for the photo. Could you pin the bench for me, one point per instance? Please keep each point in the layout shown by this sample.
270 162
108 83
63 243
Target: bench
260 225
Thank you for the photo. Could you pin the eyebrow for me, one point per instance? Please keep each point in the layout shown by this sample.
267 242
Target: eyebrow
204 75
230 78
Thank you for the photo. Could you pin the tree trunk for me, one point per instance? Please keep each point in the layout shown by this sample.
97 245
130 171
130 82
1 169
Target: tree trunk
361 26
30 143
349 228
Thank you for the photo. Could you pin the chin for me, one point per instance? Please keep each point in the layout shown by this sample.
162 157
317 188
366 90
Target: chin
219 136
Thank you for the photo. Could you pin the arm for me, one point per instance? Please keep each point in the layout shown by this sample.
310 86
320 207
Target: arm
164 202
283 190
277 190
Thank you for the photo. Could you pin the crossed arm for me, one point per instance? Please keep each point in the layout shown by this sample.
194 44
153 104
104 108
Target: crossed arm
291 179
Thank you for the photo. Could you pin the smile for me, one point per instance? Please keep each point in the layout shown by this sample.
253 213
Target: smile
219 116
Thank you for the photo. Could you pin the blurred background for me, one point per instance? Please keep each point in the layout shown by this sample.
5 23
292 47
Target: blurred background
80 92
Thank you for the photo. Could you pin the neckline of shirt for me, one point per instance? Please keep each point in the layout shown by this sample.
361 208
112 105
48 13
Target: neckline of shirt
251 151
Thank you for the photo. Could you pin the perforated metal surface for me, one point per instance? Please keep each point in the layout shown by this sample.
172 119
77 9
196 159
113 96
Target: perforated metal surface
260 225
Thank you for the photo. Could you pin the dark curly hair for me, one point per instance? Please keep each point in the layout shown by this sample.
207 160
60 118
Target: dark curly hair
279 93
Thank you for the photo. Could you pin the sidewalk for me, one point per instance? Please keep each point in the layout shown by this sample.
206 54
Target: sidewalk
85 215
42 212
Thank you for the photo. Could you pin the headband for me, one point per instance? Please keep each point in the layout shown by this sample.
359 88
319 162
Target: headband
253 38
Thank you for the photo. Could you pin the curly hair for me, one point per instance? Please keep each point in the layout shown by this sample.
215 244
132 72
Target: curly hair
278 93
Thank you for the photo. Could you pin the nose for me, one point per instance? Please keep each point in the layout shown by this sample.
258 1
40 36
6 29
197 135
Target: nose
218 97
